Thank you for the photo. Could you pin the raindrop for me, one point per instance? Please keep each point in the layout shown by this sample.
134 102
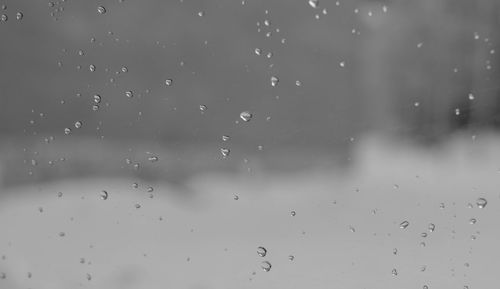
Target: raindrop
314 3
423 235
168 82
274 81
104 195
78 124
471 96
261 251
225 152
3 275
225 138
481 203
395 251
97 98
62 234
19 15
298 83
432 227
129 94
404 224
203 108
92 68
291 257
258 51
201 13
293 213
425 287
236 197
101 10
150 189
4 18
135 185
472 221
246 116
89 277
59 194
266 266
137 206
67 130
153 159
394 272
124 69
342 64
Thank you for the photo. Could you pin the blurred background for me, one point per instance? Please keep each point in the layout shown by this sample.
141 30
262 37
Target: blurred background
187 101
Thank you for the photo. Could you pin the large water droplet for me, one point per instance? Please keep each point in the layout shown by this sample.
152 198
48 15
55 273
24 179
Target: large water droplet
246 116
225 152
261 251
481 203
314 3
101 10
266 266
274 81
404 224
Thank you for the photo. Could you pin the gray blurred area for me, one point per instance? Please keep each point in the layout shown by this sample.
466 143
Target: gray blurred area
403 68
125 162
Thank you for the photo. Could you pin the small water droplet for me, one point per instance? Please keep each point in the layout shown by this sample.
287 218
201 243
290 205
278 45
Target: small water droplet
97 98
293 213
3 275
62 234
78 124
89 277
225 138
481 203
225 152
472 221
203 108
236 197
101 10
168 82
342 64
291 257
395 251
104 195
423 235
314 3
137 206
246 116
150 189
471 96
431 227
153 159
298 83
59 194
261 251
92 68
201 13
129 94
266 266
404 224
394 272
135 185
67 131
274 81
425 287
19 15
258 51
4 17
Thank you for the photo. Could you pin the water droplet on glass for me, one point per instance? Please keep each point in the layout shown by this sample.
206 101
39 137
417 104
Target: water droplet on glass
19 15
3 275
225 152
471 96
135 185
97 98
59 194
67 130
89 277
394 272
101 10
425 287
150 189
472 221
431 227
481 203
274 81
203 108
314 3
423 235
261 251
291 257
153 159
266 266
293 213
4 18
236 197
78 124
168 82
92 68
137 206
225 138
246 116
342 64
404 224
258 51
129 94
395 251
201 13
104 195
62 234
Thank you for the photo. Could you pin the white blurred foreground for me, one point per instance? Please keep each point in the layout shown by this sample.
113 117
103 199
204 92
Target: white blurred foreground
344 233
